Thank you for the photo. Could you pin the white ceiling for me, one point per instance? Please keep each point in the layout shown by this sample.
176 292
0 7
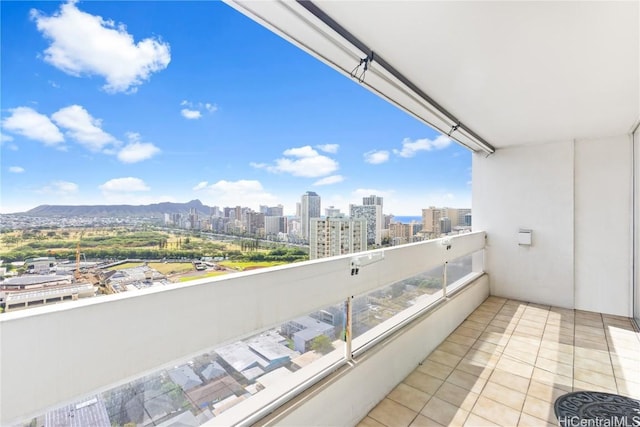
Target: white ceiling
514 72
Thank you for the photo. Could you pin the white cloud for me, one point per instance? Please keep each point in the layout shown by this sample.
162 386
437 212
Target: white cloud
124 185
136 151
242 192
305 151
61 188
83 128
27 122
16 169
194 110
84 44
5 138
328 148
200 186
333 179
376 157
301 161
410 147
190 114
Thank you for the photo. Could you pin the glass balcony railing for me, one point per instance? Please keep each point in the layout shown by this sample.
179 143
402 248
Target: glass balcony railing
227 349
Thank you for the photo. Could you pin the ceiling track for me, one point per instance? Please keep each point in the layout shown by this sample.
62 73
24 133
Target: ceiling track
345 34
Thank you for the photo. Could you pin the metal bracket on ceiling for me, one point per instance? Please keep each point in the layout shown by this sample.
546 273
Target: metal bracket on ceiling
454 128
364 61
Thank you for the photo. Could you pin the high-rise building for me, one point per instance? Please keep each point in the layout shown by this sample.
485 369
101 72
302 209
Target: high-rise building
332 212
445 225
336 236
274 225
431 221
373 215
372 200
274 210
309 208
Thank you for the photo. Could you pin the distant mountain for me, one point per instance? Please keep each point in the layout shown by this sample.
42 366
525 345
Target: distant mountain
153 210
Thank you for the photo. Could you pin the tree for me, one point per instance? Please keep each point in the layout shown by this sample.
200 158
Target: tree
322 344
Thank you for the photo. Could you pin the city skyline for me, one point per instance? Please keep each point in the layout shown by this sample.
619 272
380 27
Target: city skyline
225 112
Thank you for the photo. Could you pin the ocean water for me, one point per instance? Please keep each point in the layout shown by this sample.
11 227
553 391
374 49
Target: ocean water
407 219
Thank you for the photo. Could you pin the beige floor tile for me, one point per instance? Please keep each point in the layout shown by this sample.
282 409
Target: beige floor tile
480 317
410 397
487 347
494 338
539 409
454 348
555 355
495 412
468 332
523 331
588 353
589 330
596 378
628 388
545 392
526 340
467 381
476 368
392 414
593 365
554 367
506 319
509 380
499 330
504 324
527 420
553 337
423 382
628 353
499 393
435 369
596 323
475 421
461 339
480 356
592 345
536 324
422 421
444 358
579 385
557 346
474 325
369 422
521 354
509 364
456 395
555 380
444 412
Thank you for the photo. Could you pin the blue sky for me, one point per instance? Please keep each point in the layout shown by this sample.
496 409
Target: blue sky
143 102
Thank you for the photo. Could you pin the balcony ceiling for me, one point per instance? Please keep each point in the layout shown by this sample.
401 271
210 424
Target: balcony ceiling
513 72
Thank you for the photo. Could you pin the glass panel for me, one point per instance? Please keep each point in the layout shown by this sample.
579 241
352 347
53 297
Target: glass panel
378 306
196 390
461 267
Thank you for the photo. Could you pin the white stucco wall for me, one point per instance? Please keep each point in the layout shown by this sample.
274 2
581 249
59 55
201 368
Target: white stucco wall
527 187
576 197
603 225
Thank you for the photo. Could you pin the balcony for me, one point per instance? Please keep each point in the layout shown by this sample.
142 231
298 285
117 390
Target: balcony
72 355
547 95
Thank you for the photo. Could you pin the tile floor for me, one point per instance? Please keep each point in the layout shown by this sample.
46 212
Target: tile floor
507 363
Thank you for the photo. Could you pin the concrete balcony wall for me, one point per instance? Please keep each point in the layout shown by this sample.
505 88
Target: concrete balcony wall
51 355
527 187
577 198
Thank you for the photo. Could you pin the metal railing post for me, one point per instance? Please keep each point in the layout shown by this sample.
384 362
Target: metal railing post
348 328
444 279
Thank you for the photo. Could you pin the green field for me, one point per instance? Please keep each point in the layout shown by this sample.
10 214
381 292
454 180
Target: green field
201 276
164 268
250 265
